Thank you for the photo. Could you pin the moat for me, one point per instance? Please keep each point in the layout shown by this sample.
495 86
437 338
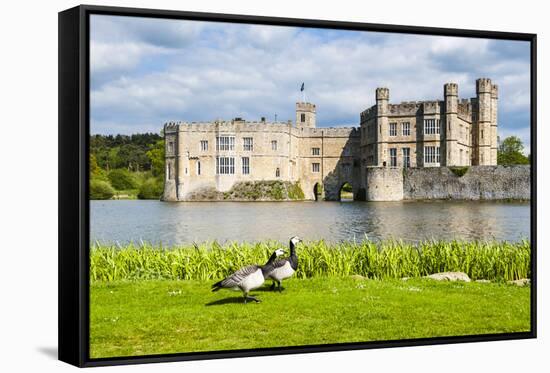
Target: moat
185 222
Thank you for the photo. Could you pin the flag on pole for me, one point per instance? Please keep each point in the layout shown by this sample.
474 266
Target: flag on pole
302 88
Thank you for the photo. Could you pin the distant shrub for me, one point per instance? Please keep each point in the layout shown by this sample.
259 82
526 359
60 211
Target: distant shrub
264 190
100 189
459 171
151 189
295 191
122 179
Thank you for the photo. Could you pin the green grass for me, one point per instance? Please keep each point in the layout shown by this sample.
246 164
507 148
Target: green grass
129 318
500 261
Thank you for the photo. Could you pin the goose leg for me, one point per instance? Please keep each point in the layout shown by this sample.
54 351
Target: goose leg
254 299
247 297
272 287
280 288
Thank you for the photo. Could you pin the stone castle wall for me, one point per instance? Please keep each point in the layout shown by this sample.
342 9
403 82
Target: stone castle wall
384 184
478 183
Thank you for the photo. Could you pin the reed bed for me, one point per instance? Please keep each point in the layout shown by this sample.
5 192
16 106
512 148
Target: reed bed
496 261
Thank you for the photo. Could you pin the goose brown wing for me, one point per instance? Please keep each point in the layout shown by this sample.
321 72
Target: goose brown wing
237 277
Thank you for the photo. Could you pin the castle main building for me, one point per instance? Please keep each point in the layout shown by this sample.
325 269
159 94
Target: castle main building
448 132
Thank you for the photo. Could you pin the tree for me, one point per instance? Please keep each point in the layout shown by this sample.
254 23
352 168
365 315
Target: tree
510 152
156 156
122 179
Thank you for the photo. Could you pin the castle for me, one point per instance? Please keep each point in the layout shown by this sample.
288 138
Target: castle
448 132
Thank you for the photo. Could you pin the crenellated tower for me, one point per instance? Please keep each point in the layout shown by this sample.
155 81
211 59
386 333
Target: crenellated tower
449 146
483 127
494 123
305 115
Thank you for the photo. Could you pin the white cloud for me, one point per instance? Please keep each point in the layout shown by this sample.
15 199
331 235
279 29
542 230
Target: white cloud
223 71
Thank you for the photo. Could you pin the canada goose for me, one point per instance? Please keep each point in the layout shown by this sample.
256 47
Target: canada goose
284 268
247 278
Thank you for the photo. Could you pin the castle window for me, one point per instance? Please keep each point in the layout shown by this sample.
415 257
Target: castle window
393 157
431 126
273 144
406 129
277 172
204 145
481 133
245 161
225 143
198 168
225 165
406 157
248 144
393 129
315 167
431 155
302 118
170 147
315 151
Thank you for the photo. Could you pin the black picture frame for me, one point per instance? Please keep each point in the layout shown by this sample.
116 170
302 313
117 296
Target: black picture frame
74 206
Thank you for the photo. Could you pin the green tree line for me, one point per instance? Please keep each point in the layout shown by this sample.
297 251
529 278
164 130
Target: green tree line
124 166
510 152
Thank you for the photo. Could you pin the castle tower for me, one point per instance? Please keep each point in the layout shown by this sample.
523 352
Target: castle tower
449 152
382 99
305 115
494 125
484 121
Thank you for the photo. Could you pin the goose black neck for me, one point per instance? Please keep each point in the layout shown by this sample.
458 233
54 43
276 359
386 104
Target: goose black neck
292 248
293 257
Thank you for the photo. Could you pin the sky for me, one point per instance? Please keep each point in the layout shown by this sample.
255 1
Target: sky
146 71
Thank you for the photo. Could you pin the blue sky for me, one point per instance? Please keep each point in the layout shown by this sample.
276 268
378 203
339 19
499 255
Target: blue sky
147 71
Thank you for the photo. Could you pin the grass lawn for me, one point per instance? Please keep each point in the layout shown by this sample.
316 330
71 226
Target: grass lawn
163 316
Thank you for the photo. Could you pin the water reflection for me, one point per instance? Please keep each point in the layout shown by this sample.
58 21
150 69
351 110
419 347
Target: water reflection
177 223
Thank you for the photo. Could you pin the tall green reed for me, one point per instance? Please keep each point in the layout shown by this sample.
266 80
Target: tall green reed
377 260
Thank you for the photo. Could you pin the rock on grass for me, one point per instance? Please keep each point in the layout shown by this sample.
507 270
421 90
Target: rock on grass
450 276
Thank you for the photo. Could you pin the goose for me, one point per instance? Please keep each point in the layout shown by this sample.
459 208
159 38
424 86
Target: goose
284 268
248 278
274 256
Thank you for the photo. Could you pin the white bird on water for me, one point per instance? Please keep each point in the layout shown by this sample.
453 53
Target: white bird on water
284 268
248 278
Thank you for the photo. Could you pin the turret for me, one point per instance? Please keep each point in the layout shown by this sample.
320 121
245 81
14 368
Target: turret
382 98
494 123
449 152
484 119
305 115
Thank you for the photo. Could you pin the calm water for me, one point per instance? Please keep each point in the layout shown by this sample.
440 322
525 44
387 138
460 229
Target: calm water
184 222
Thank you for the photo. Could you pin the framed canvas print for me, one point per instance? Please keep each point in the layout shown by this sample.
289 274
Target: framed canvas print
232 186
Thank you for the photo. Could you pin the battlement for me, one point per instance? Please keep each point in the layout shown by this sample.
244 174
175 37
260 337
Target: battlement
483 85
305 106
431 106
494 91
382 93
405 108
328 132
368 114
450 89
228 126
